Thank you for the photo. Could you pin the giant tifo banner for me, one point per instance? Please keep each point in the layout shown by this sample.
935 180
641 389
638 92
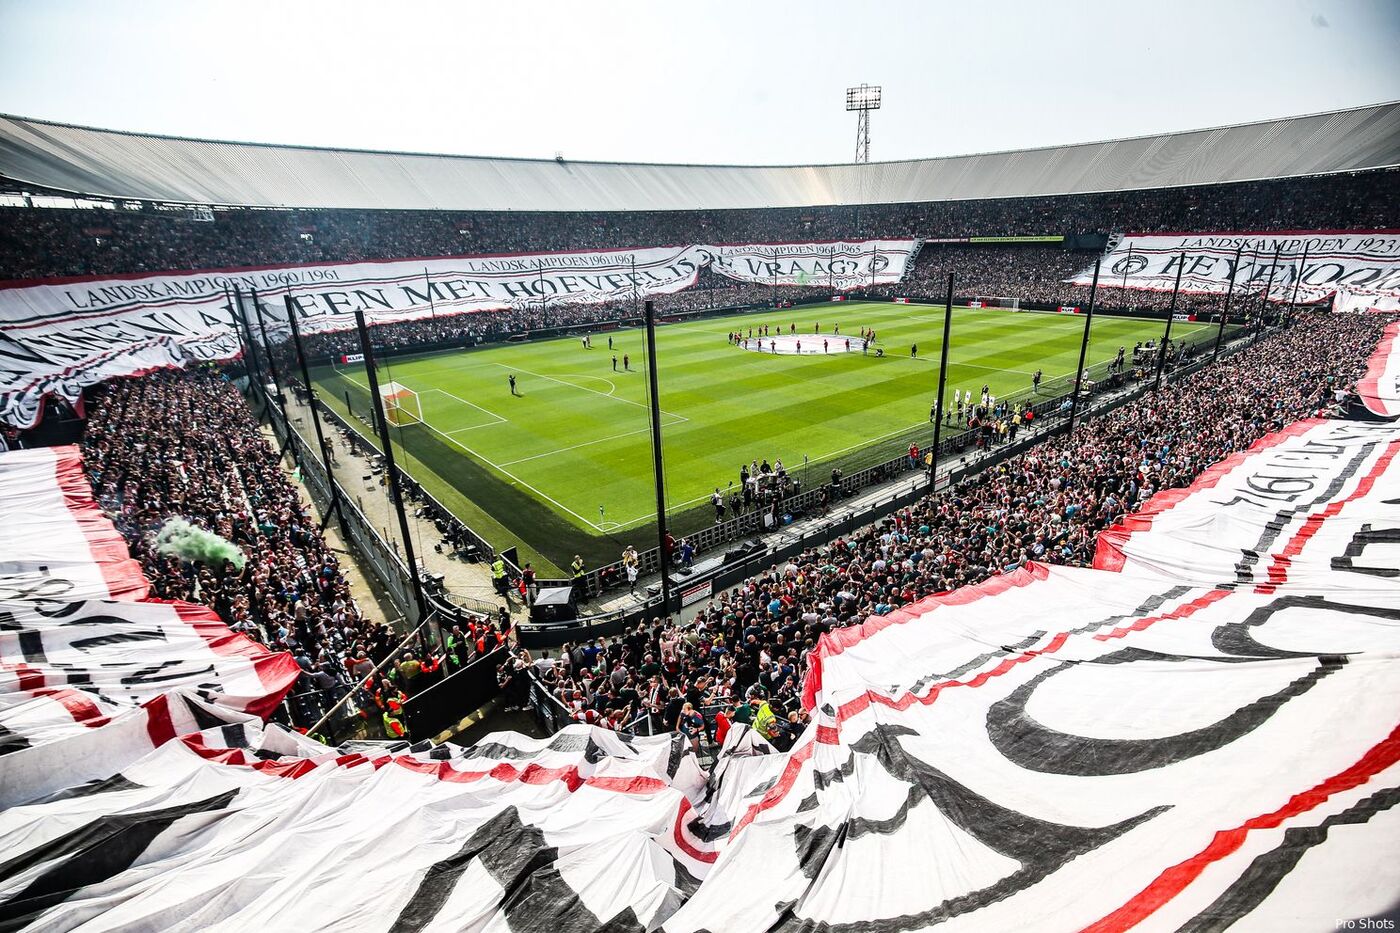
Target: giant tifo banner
61 335
1359 270
1379 388
56 543
92 674
1315 507
1168 743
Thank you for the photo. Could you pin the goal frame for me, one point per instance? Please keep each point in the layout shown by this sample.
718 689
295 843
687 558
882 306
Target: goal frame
1002 302
401 404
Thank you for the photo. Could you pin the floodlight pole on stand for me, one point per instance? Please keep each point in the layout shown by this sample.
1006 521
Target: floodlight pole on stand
1229 293
395 494
656 462
1084 346
942 385
1167 334
315 417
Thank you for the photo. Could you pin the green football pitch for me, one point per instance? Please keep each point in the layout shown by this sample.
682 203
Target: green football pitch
564 467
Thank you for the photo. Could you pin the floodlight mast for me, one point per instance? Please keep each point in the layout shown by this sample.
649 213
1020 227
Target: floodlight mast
863 99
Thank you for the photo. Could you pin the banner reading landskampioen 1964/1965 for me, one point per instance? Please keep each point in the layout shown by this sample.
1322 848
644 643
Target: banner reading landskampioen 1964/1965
57 337
1360 268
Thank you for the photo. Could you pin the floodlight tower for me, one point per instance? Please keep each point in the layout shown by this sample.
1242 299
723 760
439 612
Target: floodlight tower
863 99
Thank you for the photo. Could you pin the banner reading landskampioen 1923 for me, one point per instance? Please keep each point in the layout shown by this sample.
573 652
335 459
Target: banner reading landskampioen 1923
1360 268
57 337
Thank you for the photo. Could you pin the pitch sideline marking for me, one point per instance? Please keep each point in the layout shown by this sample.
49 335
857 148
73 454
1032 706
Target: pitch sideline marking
494 465
613 437
499 419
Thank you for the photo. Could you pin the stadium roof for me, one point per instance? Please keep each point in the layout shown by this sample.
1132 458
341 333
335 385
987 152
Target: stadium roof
111 164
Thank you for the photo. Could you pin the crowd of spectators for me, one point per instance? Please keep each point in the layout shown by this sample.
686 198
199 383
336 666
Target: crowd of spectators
185 444
41 242
748 646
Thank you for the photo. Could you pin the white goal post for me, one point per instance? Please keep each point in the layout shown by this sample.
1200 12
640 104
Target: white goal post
401 405
995 301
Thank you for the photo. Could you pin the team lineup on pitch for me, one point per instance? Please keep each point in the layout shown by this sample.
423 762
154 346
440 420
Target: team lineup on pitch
560 454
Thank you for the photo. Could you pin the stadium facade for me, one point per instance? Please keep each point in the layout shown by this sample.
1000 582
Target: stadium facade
109 164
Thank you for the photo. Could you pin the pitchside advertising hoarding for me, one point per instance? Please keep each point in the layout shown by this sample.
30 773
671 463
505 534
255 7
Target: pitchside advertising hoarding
1357 270
59 335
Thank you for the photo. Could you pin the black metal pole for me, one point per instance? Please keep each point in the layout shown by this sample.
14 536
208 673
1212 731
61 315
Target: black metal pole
656 462
428 282
315 416
1084 346
238 332
942 384
251 356
1264 299
1297 281
1229 293
1167 334
774 287
395 494
276 380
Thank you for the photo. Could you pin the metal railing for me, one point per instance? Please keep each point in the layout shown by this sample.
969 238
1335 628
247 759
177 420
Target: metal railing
550 714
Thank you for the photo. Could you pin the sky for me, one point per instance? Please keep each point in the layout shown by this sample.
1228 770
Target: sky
749 82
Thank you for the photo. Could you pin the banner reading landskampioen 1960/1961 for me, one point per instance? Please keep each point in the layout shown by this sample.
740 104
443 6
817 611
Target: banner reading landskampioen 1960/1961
57 338
1362 269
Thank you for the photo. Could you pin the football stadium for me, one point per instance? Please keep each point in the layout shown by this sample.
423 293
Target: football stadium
1000 539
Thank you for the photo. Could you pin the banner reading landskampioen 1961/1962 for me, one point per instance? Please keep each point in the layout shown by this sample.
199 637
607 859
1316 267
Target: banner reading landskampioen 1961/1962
1360 268
57 337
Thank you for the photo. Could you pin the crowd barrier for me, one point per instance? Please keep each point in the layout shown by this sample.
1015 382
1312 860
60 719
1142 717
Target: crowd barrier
441 706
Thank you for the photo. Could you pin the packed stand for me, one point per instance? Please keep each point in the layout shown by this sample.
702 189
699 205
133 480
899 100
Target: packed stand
44 242
744 655
185 444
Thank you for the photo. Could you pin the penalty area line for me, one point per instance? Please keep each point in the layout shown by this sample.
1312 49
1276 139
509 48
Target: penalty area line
497 467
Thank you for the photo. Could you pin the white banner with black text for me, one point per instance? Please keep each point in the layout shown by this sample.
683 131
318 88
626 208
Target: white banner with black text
1358 270
57 336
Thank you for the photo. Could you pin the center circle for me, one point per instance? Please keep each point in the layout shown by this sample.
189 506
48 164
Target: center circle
804 344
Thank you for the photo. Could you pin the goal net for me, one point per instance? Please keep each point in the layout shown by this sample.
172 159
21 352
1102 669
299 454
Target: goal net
401 405
995 301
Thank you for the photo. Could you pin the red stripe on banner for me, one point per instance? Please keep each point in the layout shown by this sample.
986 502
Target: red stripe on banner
1278 567
837 641
534 774
159 726
1369 386
1180 612
277 671
1108 552
78 704
1174 880
778 791
122 574
678 833
27 679
863 702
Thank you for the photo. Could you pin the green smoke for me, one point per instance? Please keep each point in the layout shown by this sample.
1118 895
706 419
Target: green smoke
178 538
